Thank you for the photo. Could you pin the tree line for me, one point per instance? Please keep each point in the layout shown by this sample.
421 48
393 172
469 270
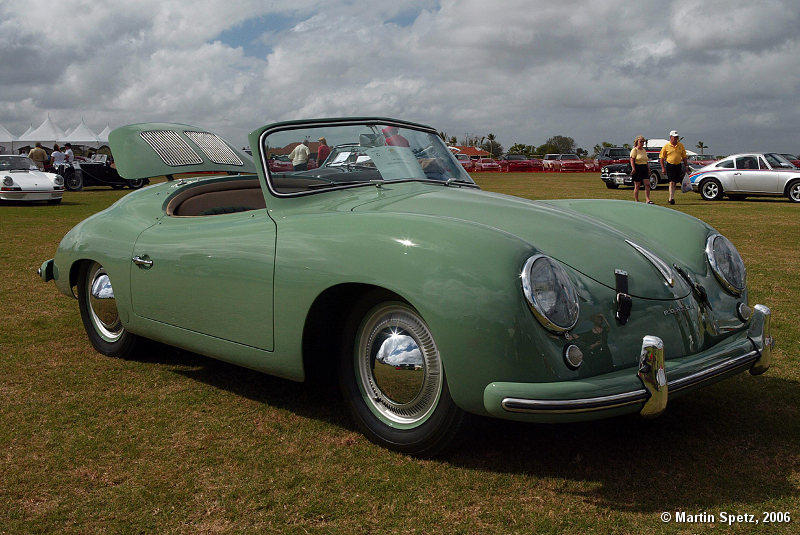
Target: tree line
554 145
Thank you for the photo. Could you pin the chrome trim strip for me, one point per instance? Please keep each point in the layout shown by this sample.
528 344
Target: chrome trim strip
659 264
563 406
710 373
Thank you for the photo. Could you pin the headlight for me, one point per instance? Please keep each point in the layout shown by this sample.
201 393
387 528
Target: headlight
605 170
58 180
726 264
550 294
8 181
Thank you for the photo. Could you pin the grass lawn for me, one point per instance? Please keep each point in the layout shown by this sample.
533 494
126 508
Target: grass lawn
172 442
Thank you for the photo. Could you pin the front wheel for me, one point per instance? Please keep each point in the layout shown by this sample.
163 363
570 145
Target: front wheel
99 313
793 191
610 185
711 190
136 184
393 381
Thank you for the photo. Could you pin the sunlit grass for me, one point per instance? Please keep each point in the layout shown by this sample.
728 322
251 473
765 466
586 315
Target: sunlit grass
171 442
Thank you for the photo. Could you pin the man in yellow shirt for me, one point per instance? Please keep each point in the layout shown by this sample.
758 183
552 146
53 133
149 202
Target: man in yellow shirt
675 155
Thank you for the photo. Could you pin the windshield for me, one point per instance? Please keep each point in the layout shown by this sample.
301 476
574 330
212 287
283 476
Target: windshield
16 163
777 161
323 156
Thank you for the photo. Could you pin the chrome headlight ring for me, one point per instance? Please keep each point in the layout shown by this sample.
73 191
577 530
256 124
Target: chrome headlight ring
550 293
8 181
726 263
58 180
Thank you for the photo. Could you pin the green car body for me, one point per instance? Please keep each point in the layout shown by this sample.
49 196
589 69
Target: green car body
281 286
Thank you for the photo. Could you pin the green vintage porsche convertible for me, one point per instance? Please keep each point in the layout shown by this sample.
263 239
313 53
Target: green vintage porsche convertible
360 245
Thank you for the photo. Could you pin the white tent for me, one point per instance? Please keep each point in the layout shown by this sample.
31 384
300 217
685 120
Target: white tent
28 131
47 134
6 141
656 144
82 135
102 137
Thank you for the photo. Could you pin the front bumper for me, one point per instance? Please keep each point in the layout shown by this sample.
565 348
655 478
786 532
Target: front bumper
620 179
644 389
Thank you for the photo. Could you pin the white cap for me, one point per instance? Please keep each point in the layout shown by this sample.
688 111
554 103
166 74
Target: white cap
673 133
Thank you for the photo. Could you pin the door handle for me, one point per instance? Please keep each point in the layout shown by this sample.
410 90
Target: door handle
142 261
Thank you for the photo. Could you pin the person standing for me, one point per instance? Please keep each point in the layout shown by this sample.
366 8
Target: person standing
673 154
39 156
70 156
299 156
57 157
640 170
323 151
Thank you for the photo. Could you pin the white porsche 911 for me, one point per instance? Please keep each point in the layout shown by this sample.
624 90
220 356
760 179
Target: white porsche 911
21 180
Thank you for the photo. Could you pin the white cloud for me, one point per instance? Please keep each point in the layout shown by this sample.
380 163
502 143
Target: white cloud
595 72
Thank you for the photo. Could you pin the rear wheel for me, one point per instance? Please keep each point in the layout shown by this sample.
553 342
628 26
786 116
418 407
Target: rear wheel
99 313
393 380
136 184
711 189
793 191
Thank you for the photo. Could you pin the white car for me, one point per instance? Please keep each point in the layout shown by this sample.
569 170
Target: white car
750 174
21 180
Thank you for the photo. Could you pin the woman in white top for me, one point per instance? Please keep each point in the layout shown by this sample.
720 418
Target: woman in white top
640 171
57 157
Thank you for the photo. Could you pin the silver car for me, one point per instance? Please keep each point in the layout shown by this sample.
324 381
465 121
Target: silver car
750 174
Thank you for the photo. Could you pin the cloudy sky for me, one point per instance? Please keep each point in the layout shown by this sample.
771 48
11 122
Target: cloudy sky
725 72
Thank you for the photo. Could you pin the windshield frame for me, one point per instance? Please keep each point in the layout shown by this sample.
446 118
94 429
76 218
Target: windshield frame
464 178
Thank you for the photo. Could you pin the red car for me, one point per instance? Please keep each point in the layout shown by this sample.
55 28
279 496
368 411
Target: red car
792 158
564 162
282 163
611 155
486 165
701 160
465 161
519 163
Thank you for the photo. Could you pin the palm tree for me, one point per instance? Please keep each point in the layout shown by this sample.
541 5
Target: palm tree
702 146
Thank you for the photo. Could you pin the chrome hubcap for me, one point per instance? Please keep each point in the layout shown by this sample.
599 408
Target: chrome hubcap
711 190
103 305
795 193
398 365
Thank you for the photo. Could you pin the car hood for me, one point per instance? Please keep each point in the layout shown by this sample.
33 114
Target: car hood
31 179
586 243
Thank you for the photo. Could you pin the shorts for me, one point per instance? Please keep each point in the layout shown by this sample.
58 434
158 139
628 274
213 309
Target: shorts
641 172
674 172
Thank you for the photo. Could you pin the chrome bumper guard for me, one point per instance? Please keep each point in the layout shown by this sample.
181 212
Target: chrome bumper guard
653 377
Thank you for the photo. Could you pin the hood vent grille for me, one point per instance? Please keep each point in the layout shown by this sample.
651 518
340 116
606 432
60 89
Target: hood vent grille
173 150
